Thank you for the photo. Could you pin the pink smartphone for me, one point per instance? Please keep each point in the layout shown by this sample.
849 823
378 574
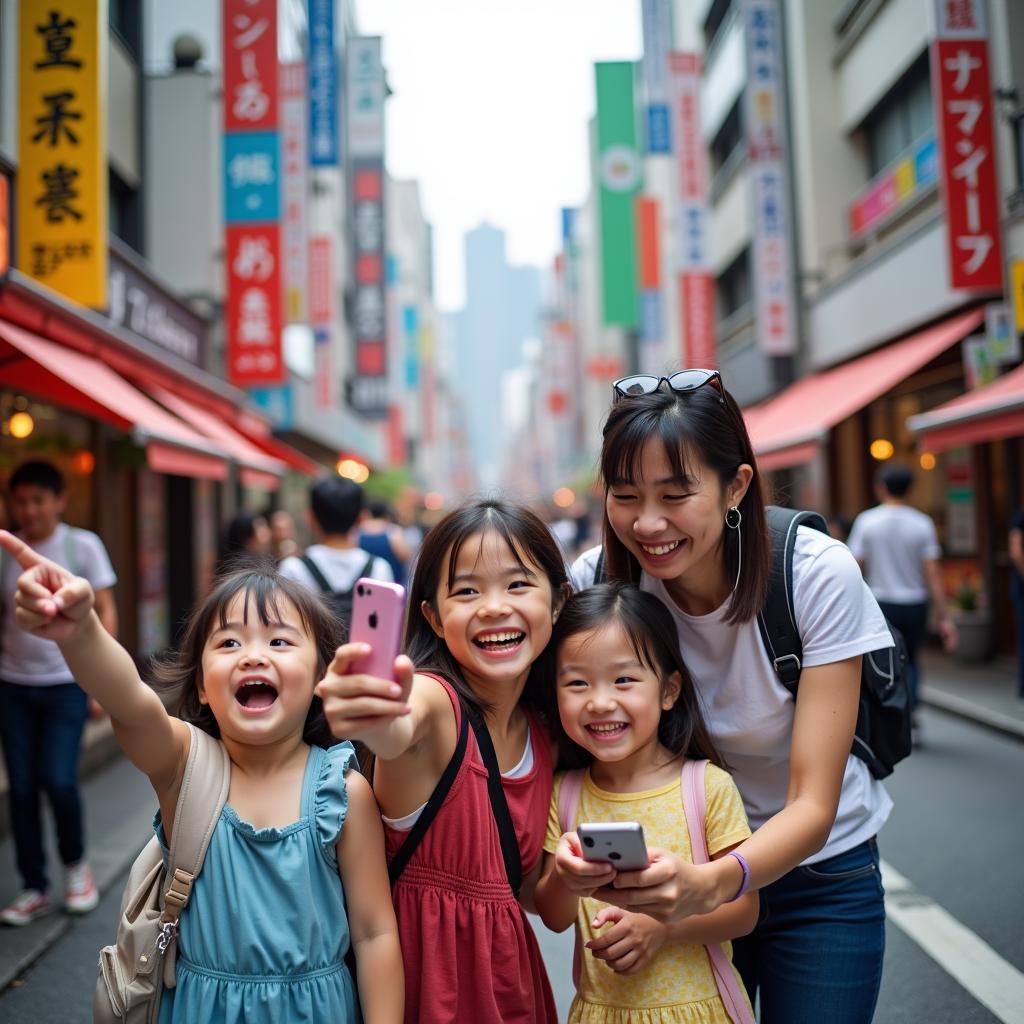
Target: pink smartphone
378 611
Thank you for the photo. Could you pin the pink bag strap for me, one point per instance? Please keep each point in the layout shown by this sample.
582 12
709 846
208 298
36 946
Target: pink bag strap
694 808
568 804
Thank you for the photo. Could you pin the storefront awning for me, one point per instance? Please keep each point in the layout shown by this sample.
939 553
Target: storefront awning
991 413
85 384
788 429
256 469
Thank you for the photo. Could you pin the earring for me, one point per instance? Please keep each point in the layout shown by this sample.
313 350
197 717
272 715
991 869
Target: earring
733 518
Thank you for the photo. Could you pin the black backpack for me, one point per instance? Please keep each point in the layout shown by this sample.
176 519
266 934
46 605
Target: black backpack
339 600
882 737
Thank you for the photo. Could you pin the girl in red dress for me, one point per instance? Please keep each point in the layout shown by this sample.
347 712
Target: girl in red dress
462 765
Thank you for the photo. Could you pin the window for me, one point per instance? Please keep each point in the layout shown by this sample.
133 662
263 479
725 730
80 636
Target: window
125 211
125 18
714 20
729 136
902 117
733 287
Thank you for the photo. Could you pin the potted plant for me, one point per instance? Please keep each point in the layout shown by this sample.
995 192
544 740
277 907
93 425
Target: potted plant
973 620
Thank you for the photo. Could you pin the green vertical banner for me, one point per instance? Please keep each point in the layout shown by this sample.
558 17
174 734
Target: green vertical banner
619 177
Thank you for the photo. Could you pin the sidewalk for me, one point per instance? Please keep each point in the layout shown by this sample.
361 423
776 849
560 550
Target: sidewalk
985 693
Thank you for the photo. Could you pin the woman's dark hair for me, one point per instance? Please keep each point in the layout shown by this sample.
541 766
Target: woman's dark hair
691 426
652 635
529 540
232 551
262 589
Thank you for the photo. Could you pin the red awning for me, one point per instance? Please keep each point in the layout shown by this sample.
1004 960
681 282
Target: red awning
991 413
788 429
257 431
87 385
256 469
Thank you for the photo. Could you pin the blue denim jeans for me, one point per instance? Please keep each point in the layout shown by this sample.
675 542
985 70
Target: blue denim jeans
816 953
41 728
912 621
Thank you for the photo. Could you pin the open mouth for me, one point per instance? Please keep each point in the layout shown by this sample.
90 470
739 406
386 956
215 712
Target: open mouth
500 641
256 695
606 730
660 550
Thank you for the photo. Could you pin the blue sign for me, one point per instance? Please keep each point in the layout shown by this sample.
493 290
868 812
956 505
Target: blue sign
926 162
252 181
324 102
277 403
411 330
651 326
659 135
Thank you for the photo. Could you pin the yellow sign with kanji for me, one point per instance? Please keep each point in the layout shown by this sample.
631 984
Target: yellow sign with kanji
1017 288
62 173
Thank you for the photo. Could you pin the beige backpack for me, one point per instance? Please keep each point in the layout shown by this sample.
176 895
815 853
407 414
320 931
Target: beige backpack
134 971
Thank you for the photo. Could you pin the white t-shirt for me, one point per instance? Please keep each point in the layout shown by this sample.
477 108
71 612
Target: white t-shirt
894 542
749 713
341 567
31 660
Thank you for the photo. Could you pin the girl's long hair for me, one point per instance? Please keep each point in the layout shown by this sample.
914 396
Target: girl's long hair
692 425
652 636
531 544
262 590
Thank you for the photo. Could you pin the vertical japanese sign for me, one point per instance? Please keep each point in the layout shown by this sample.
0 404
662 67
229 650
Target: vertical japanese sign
62 176
368 385
619 177
252 193
321 316
695 281
772 257
324 150
657 31
5 224
963 95
648 240
295 195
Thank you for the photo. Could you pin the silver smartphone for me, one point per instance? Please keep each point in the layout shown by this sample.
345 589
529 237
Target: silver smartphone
619 843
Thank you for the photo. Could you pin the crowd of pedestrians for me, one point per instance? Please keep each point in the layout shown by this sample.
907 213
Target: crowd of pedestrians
531 697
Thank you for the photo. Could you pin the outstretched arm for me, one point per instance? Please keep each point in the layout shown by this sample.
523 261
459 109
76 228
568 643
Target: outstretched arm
52 603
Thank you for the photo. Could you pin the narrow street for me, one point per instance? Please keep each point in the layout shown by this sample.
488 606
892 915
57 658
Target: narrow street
953 838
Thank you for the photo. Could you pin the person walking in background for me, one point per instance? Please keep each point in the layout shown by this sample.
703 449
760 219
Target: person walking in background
282 534
43 711
246 534
382 536
898 551
1017 591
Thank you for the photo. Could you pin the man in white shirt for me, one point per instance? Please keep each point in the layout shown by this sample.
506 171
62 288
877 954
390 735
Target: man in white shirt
899 552
42 710
336 507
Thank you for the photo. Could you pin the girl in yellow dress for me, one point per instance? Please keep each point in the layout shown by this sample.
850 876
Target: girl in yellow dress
629 713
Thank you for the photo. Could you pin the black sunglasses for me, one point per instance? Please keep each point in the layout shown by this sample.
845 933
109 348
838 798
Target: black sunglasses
680 382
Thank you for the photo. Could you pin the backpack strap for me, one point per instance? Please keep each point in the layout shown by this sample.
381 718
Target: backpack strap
599 568
366 570
694 809
777 619
203 793
569 798
433 805
314 570
499 805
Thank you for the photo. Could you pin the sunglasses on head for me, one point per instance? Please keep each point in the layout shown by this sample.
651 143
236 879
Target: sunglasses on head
681 382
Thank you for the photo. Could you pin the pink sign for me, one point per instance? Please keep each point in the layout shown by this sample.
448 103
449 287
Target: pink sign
254 355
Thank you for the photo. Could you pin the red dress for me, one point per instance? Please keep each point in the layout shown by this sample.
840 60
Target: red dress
470 954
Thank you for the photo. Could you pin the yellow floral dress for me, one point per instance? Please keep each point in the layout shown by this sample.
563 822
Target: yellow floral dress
677 987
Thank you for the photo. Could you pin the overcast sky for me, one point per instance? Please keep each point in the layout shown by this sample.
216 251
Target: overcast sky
490 107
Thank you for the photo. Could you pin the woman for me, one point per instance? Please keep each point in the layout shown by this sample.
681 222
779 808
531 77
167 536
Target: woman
246 536
684 515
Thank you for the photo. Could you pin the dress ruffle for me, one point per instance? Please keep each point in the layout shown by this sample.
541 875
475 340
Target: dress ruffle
703 1011
330 799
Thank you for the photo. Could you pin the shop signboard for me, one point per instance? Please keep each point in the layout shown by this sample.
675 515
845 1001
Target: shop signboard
896 187
324 149
963 97
696 284
62 173
651 334
368 391
619 177
1017 290
252 177
1003 342
254 351
765 127
5 224
250 65
295 193
278 403
657 32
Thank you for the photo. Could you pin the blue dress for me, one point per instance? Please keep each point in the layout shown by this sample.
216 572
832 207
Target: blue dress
265 933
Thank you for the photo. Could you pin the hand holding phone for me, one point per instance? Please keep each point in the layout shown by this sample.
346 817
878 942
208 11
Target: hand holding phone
378 611
619 843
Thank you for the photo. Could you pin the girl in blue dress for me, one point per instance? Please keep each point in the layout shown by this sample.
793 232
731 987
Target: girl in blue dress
295 873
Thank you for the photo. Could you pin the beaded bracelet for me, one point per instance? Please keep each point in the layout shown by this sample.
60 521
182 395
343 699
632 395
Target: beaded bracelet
746 875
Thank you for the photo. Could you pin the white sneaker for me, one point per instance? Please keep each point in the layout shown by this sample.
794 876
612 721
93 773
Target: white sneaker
80 892
27 906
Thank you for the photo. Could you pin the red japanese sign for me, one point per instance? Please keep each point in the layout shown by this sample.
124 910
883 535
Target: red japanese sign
697 301
250 65
967 146
321 283
254 305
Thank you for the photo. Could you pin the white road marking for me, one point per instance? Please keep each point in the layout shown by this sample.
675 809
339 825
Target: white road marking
975 965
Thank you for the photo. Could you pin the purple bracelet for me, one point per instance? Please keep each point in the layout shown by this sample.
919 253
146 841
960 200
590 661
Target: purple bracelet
746 875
